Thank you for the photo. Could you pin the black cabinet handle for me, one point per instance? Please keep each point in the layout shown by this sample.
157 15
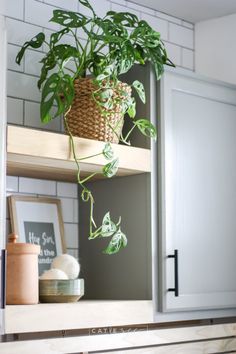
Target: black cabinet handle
176 288
3 279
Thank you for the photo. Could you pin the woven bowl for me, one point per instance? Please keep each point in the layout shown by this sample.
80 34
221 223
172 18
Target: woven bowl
55 290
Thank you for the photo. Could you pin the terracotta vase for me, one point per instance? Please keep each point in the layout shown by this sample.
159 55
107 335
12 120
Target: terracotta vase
22 272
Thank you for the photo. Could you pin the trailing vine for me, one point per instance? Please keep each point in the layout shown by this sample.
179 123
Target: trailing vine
112 46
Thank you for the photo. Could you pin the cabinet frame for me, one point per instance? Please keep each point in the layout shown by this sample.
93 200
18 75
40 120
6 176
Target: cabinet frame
162 311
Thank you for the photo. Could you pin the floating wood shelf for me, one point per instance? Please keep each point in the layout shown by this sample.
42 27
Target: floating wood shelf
80 315
36 153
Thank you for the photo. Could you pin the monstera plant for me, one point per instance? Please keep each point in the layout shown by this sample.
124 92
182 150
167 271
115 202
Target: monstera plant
103 49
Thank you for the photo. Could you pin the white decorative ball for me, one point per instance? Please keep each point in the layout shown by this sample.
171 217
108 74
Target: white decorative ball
67 264
54 274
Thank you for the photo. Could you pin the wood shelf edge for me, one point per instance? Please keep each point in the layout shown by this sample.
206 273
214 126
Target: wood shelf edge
42 154
80 315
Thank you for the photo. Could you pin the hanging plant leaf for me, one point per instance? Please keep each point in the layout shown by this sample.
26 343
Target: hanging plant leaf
138 86
146 128
132 109
108 152
68 18
108 226
103 97
35 42
105 94
107 71
159 69
57 90
117 242
110 169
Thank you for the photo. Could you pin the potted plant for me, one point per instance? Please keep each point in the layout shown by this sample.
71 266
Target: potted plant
82 81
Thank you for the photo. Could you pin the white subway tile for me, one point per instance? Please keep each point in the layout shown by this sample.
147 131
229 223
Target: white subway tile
139 8
14 111
157 24
38 186
100 7
174 53
19 32
71 235
76 210
12 184
32 118
120 2
32 62
12 51
71 5
188 24
120 8
23 86
188 59
14 8
65 189
181 35
168 18
39 14
67 205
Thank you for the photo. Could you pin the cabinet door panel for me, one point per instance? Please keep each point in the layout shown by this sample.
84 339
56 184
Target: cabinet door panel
199 193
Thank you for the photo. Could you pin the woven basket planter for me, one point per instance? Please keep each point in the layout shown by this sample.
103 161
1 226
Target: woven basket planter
85 119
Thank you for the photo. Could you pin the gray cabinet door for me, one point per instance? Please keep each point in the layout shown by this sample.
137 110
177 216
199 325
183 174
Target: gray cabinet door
198 193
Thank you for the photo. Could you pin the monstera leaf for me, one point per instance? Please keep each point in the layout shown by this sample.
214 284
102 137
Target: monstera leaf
87 4
68 18
57 56
35 42
124 18
57 90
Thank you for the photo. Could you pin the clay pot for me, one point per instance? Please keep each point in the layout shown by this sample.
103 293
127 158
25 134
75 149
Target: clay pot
22 273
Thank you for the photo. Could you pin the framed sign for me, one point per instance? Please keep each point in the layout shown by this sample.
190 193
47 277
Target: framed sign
39 221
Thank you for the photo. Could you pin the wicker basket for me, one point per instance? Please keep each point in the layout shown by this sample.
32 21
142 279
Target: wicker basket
85 119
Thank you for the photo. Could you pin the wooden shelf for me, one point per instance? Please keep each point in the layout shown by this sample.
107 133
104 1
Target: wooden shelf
80 315
36 153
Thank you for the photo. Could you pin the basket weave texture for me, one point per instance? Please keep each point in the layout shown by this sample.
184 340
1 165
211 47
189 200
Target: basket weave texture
85 118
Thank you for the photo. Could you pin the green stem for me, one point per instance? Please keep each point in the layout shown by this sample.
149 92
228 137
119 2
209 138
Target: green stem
129 132
81 183
87 178
72 145
89 157
72 71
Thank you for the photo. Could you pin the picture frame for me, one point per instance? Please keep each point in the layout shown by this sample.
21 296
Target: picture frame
38 220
